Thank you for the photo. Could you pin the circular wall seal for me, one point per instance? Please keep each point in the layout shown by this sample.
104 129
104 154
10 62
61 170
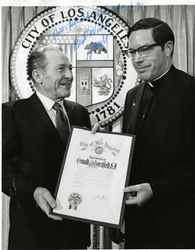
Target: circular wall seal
95 40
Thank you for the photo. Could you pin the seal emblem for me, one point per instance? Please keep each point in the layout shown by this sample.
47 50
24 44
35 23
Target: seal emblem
99 150
74 200
95 39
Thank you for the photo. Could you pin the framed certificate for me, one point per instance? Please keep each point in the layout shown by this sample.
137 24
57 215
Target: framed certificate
94 172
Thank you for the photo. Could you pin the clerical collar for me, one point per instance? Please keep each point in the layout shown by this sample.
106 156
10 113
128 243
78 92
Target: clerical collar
152 83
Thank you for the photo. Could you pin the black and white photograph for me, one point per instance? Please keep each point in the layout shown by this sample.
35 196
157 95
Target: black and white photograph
98 124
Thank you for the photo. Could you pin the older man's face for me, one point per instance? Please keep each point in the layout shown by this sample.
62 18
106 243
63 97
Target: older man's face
154 62
57 78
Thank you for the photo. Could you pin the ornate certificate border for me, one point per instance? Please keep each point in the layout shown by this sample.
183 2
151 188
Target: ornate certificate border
91 182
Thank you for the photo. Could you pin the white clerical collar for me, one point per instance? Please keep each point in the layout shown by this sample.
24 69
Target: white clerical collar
159 77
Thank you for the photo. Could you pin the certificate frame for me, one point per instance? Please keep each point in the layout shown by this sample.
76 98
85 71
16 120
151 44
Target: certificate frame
91 180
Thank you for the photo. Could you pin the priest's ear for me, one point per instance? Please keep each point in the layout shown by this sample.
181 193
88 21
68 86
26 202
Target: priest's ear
169 48
37 75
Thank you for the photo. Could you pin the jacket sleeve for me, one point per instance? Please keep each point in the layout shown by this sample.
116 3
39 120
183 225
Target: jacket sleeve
13 181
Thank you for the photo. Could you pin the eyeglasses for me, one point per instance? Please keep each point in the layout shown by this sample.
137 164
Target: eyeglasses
143 51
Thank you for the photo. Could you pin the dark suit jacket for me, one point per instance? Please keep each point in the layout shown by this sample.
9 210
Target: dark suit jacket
164 156
32 157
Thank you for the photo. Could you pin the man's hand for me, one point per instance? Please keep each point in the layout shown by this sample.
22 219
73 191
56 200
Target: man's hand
45 201
138 194
95 128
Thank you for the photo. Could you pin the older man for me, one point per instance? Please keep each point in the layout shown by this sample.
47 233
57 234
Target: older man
35 133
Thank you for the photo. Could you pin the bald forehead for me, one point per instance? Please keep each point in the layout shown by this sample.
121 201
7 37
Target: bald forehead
56 57
56 54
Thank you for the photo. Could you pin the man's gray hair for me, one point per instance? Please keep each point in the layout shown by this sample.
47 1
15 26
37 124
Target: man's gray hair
37 58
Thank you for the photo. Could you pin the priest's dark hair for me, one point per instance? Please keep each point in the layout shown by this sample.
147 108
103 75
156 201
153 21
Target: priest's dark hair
161 31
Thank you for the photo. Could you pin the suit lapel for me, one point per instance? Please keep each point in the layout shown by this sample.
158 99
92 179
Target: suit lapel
166 88
41 114
69 106
132 119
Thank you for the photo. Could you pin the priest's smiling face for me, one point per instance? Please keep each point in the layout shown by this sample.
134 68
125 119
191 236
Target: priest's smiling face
149 59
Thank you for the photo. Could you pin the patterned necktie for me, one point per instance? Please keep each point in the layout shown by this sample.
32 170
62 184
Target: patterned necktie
61 122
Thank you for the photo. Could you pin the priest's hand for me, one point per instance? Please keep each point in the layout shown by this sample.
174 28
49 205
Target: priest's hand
45 201
95 128
138 194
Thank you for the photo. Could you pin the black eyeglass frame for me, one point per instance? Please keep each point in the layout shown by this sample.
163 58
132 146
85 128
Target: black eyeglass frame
149 46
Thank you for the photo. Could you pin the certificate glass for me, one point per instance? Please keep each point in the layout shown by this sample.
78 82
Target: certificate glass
94 172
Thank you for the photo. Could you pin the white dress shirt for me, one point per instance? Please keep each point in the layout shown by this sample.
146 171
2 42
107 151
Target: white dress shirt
48 105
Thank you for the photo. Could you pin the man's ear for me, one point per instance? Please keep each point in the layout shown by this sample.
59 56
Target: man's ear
169 48
37 76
